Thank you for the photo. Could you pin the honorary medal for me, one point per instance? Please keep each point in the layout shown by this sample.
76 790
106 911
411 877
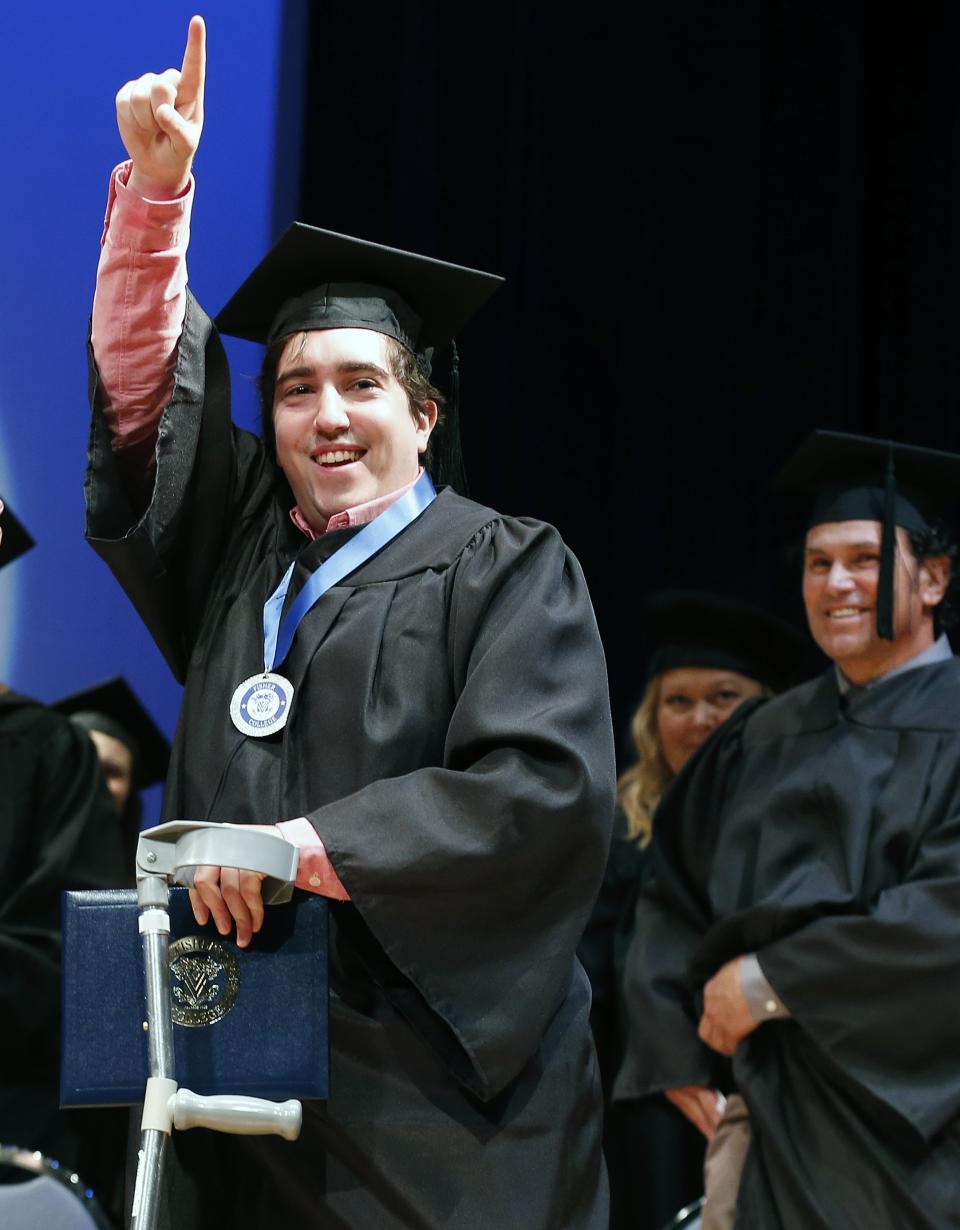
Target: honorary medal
261 704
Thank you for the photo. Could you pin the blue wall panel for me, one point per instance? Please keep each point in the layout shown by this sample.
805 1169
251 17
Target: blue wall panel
63 621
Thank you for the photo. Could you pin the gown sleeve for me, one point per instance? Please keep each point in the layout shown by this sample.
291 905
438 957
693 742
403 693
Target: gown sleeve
876 992
210 479
476 877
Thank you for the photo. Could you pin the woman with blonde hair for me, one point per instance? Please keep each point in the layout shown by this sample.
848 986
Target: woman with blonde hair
709 654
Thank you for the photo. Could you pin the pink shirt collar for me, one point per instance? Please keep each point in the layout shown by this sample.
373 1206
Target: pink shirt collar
360 515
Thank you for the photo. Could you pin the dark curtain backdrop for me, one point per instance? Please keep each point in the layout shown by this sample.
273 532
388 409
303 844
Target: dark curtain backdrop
722 225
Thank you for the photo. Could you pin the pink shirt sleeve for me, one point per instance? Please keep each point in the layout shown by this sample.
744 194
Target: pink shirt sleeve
315 872
138 310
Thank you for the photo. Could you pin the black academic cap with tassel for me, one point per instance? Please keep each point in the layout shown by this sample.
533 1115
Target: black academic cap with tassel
857 478
318 279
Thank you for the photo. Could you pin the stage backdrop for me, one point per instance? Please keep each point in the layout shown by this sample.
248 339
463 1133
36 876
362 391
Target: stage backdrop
721 225
63 621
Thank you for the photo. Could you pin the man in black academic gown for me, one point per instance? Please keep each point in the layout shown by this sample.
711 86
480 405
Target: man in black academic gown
799 943
58 830
436 736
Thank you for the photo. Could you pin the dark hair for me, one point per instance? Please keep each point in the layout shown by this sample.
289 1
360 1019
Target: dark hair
403 365
935 542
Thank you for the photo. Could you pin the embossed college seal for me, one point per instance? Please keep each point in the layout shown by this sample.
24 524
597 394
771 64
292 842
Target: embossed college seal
261 704
204 980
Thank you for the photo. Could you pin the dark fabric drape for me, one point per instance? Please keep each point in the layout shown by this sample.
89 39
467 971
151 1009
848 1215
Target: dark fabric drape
722 225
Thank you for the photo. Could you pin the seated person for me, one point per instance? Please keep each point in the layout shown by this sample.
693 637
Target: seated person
707 655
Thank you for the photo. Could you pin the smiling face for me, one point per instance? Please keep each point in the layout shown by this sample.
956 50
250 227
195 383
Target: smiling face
840 583
342 422
692 702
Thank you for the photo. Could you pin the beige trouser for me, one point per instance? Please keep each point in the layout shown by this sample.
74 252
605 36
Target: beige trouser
726 1155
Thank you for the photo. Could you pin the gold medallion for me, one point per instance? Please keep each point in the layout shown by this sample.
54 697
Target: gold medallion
204 981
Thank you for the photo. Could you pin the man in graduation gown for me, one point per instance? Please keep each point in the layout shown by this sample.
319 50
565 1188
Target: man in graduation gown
446 763
58 830
799 942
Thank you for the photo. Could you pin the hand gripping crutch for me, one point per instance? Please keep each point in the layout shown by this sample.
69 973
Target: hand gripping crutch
171 852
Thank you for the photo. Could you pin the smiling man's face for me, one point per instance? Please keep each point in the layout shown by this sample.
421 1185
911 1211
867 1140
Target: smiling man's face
840 582
342 422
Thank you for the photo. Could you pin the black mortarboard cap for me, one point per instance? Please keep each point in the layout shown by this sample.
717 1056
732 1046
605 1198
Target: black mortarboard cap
113 708
16 541
691 628
317 279
858 478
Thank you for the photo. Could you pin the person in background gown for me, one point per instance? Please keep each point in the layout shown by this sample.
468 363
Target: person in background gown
707 655
444 760
58 830
797 945
132 750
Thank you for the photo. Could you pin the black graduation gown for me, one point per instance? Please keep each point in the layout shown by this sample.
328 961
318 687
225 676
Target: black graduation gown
450 740
654 1154
825 836
59 829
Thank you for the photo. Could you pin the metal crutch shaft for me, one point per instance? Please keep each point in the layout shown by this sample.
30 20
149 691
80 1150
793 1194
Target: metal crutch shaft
154 896
171 852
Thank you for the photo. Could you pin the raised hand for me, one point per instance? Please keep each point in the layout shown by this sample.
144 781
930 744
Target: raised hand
160 117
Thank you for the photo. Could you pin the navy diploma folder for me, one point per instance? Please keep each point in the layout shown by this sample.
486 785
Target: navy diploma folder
247 1021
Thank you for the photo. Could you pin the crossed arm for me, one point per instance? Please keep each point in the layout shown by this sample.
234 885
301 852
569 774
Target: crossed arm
725 1022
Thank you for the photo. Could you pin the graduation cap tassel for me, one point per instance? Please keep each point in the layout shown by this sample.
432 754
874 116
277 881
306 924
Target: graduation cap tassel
449 467
455 376
888 546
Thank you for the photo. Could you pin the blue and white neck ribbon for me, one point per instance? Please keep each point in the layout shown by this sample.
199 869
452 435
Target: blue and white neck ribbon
277 636
260 705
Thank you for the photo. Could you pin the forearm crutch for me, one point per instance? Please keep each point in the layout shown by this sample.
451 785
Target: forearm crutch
171 853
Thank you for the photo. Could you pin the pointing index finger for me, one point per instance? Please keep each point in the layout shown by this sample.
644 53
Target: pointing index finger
194 68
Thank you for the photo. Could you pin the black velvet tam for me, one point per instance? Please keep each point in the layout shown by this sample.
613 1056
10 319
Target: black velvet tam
697 629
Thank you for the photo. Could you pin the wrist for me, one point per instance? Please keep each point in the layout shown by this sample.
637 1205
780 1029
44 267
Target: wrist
152 188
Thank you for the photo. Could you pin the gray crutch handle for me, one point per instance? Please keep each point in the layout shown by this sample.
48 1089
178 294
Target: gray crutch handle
175 850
